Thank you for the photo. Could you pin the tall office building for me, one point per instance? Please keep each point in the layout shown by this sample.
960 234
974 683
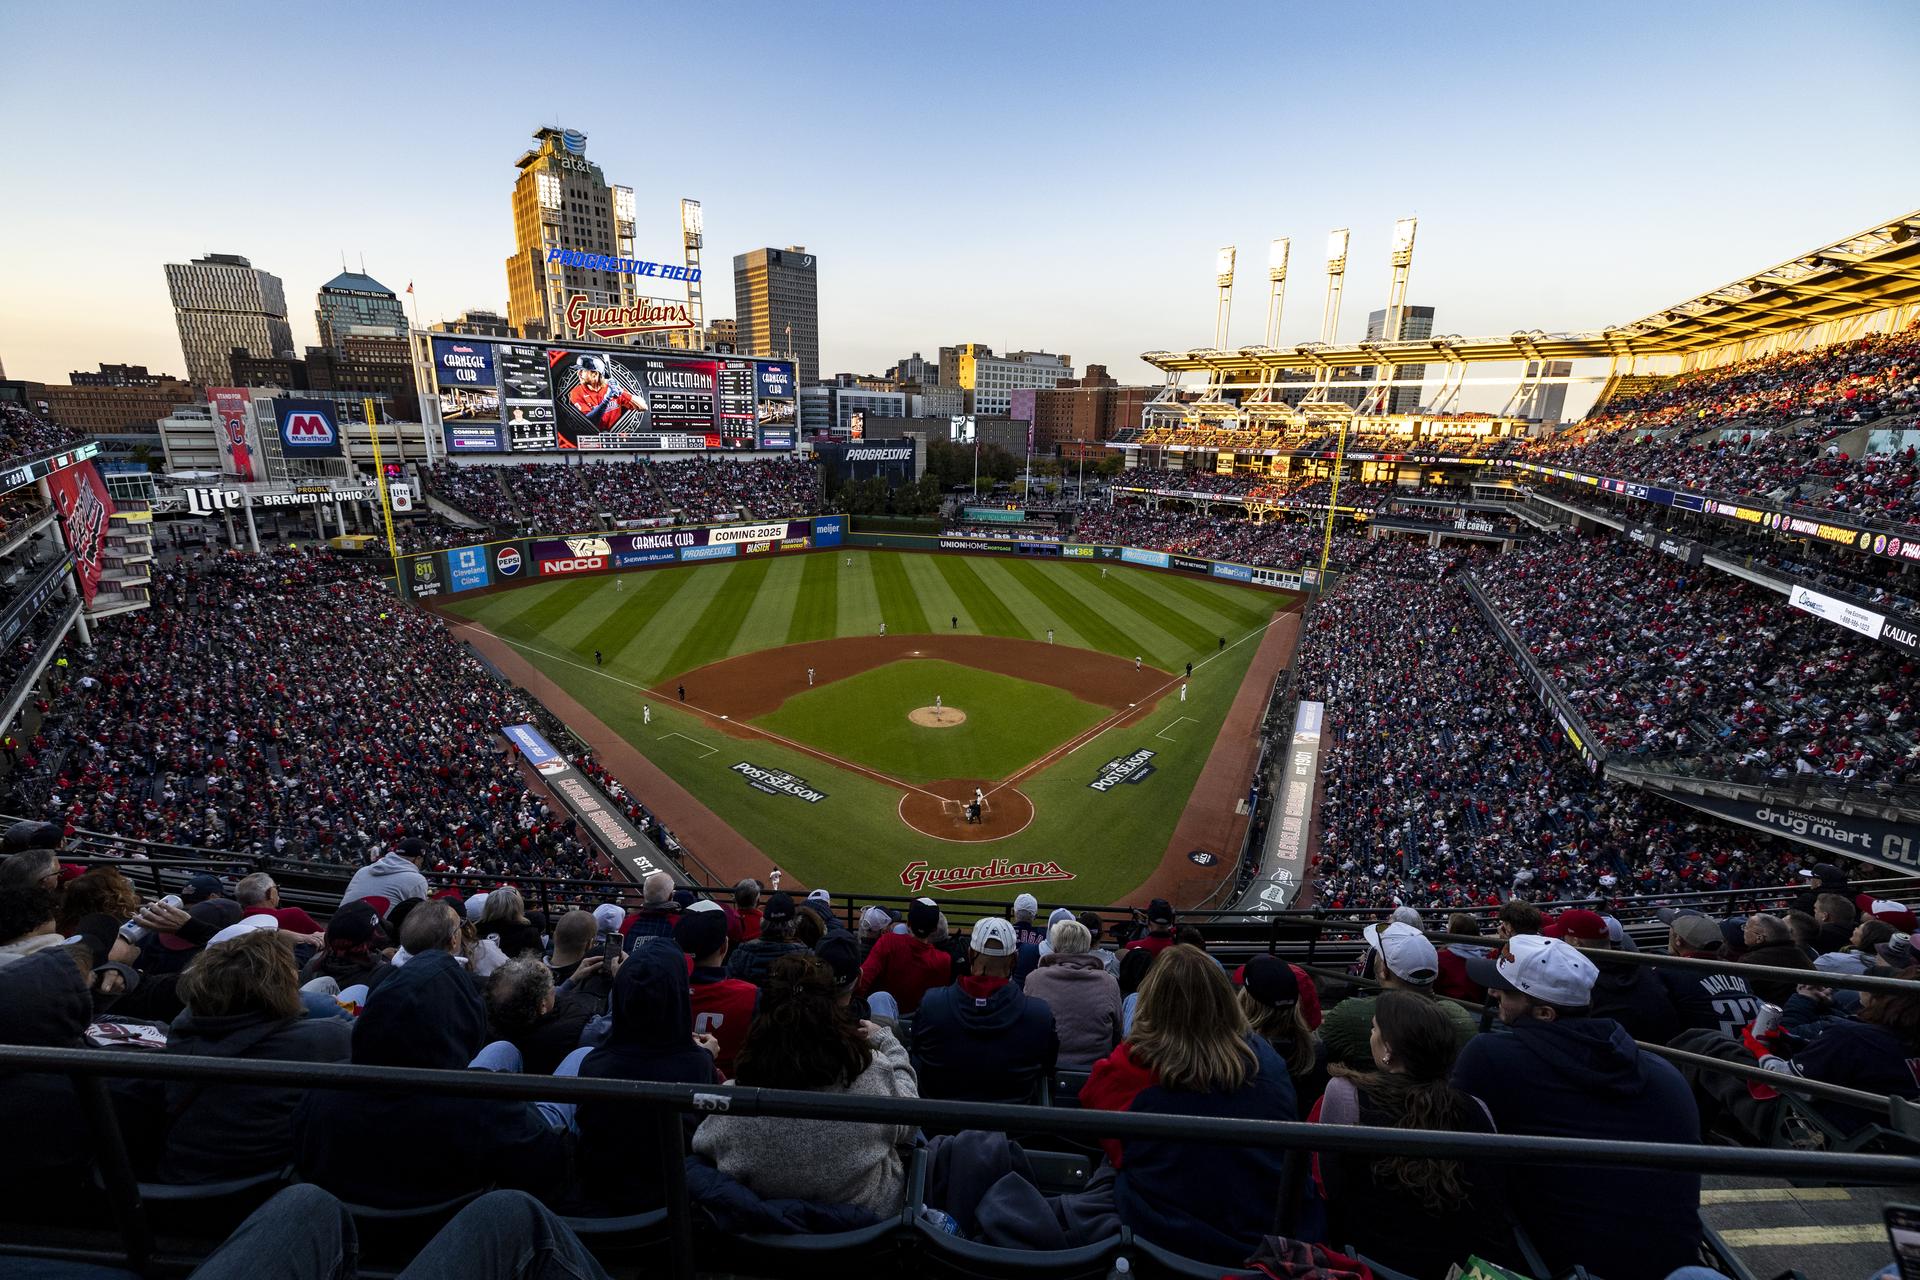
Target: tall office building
989 381
355 305
562 201
776 307
221 302
1408 324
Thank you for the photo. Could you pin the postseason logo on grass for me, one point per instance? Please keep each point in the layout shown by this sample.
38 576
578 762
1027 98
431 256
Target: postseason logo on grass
776 782
1128 768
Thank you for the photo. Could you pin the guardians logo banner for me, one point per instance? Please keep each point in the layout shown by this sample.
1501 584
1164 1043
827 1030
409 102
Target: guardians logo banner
917 876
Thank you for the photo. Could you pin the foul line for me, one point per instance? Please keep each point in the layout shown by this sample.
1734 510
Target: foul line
684 738
801 747
1073 744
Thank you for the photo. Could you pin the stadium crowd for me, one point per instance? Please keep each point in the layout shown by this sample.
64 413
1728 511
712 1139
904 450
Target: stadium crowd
1281 544
24 434
560 498
286 707
1669 662
767 990
1447 784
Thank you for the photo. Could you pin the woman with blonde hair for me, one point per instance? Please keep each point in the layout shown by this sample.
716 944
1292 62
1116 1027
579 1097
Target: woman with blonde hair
1192 1052
504 920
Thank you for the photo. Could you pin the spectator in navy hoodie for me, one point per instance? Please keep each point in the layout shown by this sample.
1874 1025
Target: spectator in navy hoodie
1630 994
984 1039
397 1150
1192 1052
1565 1074
753 961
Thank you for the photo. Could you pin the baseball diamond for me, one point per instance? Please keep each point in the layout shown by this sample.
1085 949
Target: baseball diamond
806 737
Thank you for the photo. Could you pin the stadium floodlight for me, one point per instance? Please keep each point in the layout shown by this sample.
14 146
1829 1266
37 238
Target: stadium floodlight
1403 235
1337 251
1223 276
623 207
1223 267
1277 259
692 223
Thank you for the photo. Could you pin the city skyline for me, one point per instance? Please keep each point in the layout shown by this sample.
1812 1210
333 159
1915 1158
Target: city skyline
1104 195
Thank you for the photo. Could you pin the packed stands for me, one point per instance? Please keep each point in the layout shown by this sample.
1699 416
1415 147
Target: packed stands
1667 662
1277 543
24 434
567 497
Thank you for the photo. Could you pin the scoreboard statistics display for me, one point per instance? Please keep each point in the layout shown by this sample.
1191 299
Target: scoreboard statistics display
500 396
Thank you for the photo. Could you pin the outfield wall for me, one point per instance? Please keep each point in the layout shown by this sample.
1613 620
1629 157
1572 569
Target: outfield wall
513 562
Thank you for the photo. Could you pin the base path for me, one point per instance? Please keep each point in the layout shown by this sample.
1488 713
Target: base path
1209 821
731 855
755 684
940 810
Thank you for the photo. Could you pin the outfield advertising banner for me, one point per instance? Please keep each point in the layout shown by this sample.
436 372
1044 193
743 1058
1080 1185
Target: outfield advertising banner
829 530
709 553
509 560
1191 565
424 579
640 559
987 545
1134 555
1233 572
558 557
467 568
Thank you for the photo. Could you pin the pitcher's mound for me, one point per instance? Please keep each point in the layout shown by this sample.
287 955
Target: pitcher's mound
937 718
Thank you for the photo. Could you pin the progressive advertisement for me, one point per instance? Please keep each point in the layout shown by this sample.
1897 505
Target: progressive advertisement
497 396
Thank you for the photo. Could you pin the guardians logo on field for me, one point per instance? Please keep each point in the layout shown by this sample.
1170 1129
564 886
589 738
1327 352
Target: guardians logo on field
1129 768
777 782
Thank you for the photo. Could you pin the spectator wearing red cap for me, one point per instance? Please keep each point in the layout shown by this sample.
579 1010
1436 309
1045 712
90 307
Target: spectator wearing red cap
1401 959
1630 994
903 967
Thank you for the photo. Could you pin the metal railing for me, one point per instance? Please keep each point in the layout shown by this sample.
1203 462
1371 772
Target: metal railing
667 1102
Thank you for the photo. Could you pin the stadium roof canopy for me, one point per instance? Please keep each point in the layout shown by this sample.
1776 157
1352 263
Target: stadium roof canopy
1872 271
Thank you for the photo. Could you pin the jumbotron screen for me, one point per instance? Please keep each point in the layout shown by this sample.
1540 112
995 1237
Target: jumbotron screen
501 396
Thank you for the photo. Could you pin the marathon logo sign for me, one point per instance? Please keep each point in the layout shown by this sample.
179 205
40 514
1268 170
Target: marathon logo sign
777 782
1130 769
308 427
918 876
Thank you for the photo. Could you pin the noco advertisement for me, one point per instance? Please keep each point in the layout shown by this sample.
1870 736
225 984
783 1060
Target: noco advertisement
512 397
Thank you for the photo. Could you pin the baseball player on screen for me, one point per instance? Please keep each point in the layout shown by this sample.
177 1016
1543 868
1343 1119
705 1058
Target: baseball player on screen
597 400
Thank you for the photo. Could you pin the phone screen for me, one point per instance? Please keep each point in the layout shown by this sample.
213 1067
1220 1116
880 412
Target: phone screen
1903 1233
610 947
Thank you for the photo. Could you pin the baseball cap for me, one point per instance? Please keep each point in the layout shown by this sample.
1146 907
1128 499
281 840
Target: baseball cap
1547 969
779 908
1026 906
1667 915
1897 950
821 896
475 905
876 920
593 364
1055 916
352 925
701 929
242 927
412 848
1697 933
28 834
1897 914
1408 954
842 955
1733 931
923 916
1616 932
1160 911
1823 871
1406 915
993 937
1576 922
609 917
200 887
1270 980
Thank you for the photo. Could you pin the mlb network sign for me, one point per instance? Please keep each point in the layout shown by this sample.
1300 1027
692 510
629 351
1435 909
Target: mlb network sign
308 428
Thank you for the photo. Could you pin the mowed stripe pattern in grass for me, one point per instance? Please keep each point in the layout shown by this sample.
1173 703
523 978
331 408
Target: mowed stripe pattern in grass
652 624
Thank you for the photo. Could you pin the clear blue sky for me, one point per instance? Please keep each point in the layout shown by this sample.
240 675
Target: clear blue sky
1026 175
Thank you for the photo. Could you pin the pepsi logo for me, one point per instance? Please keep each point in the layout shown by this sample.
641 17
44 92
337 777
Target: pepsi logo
309 429
507 562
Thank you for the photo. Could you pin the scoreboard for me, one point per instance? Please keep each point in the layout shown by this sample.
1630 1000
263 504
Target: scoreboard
496 395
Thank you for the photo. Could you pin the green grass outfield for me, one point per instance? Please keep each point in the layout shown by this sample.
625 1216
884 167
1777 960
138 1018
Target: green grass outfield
1010 722
651 624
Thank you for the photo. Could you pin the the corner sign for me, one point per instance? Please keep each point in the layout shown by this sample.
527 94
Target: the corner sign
777 782
1129 768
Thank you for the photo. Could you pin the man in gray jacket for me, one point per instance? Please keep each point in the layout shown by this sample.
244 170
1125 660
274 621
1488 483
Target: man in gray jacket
395 877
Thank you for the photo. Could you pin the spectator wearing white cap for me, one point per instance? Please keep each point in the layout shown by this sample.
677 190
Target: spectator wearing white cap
984 1039
1025 908
1401 959
1565 1074
875 922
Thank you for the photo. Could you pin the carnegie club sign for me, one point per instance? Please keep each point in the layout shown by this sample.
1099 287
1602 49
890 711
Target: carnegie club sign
778 782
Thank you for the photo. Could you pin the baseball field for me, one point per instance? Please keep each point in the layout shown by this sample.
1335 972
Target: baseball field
878 721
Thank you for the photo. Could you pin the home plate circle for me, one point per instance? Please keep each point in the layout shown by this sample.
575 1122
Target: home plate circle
938 717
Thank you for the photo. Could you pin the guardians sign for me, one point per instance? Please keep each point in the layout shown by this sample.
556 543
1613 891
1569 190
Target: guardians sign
917 876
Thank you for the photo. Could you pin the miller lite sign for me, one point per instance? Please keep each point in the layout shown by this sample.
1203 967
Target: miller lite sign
211 502
308 428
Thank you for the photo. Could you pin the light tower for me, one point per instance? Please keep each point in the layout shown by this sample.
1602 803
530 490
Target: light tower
1277 287
1401 261
692 236
1223 277
1330 316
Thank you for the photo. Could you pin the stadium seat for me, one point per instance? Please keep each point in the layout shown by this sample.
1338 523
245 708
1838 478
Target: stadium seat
835 1253
945 1254
396 1235
209 1209
1066 1087
623 1237
1152 1260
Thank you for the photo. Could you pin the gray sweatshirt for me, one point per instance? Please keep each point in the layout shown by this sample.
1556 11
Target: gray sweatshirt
393 877
825 1161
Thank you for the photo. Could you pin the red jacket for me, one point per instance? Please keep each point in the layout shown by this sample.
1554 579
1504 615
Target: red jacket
906 968
742 926
1453 979
1154 942
723 1008
292 919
